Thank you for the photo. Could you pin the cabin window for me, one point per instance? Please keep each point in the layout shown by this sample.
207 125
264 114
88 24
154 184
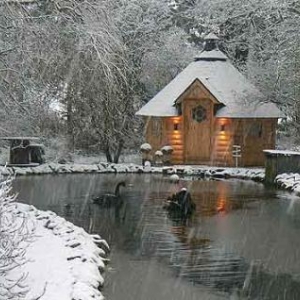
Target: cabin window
199 114
256 130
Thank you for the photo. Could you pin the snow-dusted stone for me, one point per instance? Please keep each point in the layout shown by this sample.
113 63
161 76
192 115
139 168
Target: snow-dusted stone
169 170
77 168
64 169
296 188
174 178
111 168
83 168
54 167
188 171
19 171
42 169
198 171
157 170
147 166
207 173
121 168
220 173
289 181
92 168
132 168
101 168
104 164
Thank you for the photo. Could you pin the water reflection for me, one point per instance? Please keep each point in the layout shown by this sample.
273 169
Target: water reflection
187 248
242 242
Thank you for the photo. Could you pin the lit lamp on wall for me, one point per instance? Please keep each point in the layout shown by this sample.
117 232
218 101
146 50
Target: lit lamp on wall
222 128
176 125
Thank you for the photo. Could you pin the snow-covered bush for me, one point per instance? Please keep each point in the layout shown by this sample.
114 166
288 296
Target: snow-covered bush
158 153
145 147
167 149
158 158
167 153
13 236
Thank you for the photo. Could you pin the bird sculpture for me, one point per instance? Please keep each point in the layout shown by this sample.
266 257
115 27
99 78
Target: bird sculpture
110 199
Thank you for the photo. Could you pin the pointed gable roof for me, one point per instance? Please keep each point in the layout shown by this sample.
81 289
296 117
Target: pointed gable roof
212 68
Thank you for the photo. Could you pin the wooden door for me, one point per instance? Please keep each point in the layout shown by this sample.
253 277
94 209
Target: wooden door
197 130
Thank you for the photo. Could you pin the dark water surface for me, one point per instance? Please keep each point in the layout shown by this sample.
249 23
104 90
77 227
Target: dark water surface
242 243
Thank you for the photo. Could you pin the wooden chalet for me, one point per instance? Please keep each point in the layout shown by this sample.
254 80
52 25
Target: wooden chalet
209 110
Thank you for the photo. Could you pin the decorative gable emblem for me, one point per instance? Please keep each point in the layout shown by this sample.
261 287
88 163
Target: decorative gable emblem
199 113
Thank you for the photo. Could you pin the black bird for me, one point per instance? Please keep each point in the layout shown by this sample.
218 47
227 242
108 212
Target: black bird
110 199
181 203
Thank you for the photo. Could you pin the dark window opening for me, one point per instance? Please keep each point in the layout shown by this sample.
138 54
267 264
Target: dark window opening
256 130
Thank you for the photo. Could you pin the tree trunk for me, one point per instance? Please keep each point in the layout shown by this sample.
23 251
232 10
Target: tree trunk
108 154
70 129
118 152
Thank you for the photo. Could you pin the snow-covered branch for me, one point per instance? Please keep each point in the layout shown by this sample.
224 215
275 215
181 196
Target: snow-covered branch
15 232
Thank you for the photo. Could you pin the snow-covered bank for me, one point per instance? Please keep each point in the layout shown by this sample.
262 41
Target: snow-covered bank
203 171
62 261
289 181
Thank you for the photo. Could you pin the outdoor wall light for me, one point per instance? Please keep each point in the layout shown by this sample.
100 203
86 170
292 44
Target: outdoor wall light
175 126
222 127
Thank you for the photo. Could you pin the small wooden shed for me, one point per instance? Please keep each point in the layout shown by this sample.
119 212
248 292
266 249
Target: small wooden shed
279 162
24 151
210 114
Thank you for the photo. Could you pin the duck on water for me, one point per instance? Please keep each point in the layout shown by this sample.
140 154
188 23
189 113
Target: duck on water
181 203
109 199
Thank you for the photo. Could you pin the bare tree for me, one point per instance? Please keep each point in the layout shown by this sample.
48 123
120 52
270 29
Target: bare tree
66 50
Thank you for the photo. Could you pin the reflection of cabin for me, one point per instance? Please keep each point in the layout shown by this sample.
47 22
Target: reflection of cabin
208 108
24 152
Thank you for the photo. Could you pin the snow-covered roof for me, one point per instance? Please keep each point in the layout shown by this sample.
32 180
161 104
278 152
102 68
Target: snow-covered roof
211 36
282 152
240 98
211 55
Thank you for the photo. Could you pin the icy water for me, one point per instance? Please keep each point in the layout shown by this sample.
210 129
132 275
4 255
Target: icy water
242 243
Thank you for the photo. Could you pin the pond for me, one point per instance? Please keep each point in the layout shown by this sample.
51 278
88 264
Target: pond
242 243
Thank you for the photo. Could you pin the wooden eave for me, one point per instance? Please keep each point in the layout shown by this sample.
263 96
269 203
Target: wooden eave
201 85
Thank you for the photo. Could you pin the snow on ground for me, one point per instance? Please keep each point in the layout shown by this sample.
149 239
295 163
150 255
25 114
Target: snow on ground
203 171
62 260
